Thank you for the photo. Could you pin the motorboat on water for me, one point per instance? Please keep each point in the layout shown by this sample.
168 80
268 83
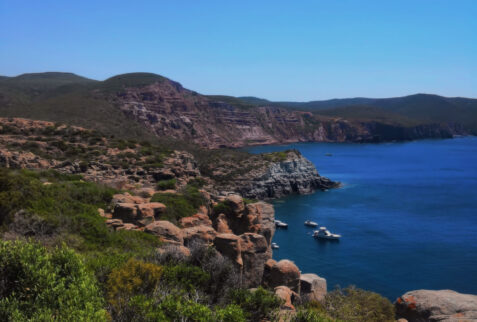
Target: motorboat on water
311 223
324 233
275 246
281 224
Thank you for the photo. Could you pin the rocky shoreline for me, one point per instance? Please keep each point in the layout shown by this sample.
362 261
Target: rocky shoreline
240 230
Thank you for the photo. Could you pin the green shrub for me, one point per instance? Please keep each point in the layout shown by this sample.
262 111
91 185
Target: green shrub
186 277
230 313
37 285
166 184
133 278
257 305
311 313
353 304
197 182
223 207
178 205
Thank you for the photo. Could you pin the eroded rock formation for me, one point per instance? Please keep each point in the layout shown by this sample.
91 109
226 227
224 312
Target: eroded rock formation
443 305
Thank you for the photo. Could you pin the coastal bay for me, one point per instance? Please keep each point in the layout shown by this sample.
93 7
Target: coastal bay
407 213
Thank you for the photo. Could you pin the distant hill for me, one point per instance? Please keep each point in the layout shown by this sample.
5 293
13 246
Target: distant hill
412 109
147 106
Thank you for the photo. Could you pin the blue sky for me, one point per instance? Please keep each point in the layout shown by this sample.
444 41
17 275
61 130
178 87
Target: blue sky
280 50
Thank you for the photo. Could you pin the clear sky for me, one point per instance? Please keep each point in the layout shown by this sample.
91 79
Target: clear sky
280 50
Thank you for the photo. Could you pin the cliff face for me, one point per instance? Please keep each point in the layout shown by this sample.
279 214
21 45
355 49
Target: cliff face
293 174
167 109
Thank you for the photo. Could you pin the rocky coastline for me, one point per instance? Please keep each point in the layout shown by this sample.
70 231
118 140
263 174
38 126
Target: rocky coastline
240 230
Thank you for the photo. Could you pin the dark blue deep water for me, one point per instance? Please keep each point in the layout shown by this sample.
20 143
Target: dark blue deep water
407 213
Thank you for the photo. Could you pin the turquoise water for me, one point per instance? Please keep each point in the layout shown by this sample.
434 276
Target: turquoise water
407 213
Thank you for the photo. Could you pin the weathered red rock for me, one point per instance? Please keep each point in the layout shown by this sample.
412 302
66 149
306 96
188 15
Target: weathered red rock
184 251
254 256
286 273
312 287
222 225
128 226
127 198
443 305
165 230
229 246
236 202
151 209
126 211
202 234
195 220
287 296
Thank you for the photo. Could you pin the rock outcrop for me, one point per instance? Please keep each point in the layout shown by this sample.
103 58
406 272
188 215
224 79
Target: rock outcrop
312 287
293 175
443 305
283 273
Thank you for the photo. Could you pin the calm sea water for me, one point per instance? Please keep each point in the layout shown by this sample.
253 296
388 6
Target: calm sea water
407 213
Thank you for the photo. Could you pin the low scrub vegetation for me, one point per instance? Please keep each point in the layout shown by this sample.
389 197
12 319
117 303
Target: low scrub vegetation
59 261
182 204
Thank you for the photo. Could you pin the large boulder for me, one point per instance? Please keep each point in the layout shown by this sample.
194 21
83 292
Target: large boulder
312 287
266 215
255 254
139 214
127 198
195 220
199 234
126 211
236 203
222 224
443 305
286 273
287 296
148 212
166 231
229 246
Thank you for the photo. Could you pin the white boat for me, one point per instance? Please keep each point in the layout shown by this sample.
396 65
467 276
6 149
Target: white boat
280 224
275 246
324 233
311 223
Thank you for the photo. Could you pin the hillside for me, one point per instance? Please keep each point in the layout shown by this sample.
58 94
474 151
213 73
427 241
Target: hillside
147 106
407 110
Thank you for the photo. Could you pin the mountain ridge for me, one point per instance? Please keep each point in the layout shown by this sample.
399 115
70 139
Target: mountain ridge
150 106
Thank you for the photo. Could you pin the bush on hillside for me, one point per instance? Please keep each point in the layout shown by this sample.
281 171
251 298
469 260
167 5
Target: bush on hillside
166 184
354 304
37 285
179 205
257 305
133 278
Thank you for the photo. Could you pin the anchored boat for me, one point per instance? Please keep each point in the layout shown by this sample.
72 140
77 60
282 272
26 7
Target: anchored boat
280 224
311 223
324 233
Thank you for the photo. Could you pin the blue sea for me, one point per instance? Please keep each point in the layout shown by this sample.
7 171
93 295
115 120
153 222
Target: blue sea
407 213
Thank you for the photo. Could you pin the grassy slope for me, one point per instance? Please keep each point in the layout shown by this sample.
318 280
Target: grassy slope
71 99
